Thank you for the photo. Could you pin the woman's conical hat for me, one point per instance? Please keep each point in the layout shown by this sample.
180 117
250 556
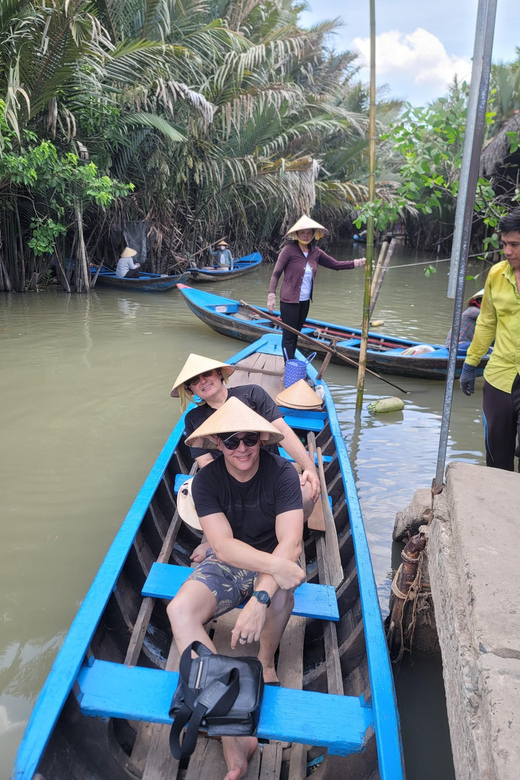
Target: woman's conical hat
194 365
128 252
476 296
232 417
186 505
306 223
222 243
299 396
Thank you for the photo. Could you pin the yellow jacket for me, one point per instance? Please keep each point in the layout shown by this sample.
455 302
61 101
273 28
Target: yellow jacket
498 321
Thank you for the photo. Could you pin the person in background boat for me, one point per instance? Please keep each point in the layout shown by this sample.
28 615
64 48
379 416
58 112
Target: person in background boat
298 262
468 322
499 321
249 505
223 255
126 268
206 378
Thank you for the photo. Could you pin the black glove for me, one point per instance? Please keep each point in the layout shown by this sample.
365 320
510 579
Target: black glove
467 379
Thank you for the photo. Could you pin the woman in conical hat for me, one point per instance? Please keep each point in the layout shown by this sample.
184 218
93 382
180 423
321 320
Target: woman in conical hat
468 321
298 262
197 372
223 255
126 268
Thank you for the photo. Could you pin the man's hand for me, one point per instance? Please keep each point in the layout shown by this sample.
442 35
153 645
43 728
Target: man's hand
249 623
467 379
271 302
288 575
199 553
310 476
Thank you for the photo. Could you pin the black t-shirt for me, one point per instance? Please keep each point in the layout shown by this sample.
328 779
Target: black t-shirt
250 507
253 396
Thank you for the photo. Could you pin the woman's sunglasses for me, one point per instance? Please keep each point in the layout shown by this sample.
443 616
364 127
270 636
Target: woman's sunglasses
232 442
196 379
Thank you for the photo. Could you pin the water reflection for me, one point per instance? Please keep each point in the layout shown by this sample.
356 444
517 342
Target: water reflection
86 409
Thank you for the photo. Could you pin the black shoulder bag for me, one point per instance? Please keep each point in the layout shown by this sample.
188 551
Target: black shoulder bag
217 693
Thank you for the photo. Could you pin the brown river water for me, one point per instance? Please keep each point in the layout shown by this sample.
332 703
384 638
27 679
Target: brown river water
85 409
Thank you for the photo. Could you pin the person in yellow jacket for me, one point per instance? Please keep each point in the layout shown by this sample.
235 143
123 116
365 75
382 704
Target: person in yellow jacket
499 322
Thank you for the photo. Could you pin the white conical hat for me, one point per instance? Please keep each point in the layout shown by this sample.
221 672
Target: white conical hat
186 505
306 223
232 417
195 365
128 252
299 396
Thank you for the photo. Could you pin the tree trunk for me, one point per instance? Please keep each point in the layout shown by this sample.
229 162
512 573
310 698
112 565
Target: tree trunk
82 270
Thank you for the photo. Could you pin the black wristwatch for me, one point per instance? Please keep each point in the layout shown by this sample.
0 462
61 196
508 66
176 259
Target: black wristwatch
263 597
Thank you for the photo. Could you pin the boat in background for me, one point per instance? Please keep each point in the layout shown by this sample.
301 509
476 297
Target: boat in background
241 266
103 712
146 282
385 354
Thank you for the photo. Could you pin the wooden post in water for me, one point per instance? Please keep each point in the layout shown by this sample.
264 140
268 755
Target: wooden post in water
370 223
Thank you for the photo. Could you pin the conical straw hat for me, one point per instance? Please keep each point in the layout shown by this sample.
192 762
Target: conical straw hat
186 505
477 296
194 365
128 252
299 396
304 223
232 417
220 243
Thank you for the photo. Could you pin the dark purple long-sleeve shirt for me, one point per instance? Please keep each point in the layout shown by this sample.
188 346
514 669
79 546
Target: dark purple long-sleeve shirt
291 262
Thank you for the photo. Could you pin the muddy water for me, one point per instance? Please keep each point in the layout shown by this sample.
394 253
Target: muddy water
86 409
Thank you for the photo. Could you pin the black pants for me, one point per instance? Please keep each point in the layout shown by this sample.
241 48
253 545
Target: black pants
132 274
502 425
293 314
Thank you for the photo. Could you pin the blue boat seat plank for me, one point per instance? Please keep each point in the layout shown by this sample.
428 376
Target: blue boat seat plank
180 479
109 690
349 343
285 454
312 601
303 422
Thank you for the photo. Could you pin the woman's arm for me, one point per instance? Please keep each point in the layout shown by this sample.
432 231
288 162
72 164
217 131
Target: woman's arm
281 263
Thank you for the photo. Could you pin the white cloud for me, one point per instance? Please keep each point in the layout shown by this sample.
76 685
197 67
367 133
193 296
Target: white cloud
420 58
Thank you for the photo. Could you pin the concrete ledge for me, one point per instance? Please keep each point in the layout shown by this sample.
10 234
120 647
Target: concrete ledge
474 563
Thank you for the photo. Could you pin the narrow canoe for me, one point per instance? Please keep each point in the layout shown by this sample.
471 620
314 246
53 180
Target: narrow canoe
244 265
103 711
384 355
145 283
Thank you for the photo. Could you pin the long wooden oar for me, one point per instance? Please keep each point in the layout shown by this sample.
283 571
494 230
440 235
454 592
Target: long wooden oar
319 345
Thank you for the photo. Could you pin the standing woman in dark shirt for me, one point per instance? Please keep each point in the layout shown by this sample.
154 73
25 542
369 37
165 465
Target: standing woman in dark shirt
299 261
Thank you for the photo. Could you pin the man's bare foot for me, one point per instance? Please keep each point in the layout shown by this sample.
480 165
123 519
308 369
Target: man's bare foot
237 752
270 675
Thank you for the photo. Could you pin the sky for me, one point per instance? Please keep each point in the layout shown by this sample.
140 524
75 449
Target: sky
420 45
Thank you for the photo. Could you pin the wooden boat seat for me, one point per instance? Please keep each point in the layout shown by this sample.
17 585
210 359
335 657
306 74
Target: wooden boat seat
284 454
340 723
349 343
305 421
313 601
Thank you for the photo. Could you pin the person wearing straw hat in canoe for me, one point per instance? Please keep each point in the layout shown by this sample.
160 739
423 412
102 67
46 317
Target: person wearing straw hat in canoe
223 255
298 262
249 505
206 378
468 322
126 268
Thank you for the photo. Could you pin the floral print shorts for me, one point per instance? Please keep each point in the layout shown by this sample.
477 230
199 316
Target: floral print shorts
229 585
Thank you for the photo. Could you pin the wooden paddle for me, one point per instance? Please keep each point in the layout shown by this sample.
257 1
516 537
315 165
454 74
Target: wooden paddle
319 345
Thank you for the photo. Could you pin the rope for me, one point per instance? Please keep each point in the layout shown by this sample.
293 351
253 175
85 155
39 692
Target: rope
419 595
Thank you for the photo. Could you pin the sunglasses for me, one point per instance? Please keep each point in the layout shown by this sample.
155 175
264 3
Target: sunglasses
196 379
232 442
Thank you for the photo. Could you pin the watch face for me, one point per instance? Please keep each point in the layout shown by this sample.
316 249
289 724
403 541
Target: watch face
262 596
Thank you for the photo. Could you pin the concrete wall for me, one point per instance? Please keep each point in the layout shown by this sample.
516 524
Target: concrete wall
474 563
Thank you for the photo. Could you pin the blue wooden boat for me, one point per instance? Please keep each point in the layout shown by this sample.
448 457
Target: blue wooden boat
244 265
385 354
103 712
145 283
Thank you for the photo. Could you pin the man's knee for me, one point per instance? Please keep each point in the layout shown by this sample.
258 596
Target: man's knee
282 601
194 603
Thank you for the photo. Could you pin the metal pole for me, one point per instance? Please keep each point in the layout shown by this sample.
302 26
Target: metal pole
370 221
464 214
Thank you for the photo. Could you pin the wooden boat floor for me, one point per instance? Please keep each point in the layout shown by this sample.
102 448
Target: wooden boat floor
271 384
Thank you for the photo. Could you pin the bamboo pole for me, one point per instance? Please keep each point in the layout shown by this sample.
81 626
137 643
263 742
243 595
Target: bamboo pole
379 277
370 223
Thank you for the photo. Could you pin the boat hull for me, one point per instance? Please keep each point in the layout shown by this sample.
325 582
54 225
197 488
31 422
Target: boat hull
145 282
244 265
382 354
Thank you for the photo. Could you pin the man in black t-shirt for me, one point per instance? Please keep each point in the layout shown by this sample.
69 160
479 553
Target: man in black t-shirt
249 505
